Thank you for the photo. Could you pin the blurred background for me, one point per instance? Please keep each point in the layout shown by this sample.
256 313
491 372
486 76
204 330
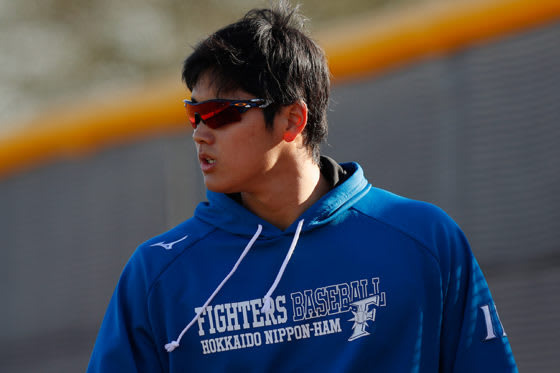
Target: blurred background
56 50
451 102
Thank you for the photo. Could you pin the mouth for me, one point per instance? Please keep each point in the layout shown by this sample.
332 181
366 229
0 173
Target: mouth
206 162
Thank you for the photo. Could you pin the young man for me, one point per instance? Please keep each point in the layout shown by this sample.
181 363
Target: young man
295 263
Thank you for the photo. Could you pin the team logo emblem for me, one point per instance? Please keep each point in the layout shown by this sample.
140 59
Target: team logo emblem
364 311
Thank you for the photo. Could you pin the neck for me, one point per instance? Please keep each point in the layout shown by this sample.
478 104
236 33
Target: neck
292 189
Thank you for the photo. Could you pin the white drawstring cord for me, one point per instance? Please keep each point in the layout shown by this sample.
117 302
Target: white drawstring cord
169 347
267 306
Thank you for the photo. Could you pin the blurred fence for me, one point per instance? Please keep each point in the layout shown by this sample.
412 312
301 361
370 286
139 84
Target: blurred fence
472 127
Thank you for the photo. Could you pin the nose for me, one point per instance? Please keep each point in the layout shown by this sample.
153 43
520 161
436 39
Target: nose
203 134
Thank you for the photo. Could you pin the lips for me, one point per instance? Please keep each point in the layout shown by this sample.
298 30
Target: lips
207 162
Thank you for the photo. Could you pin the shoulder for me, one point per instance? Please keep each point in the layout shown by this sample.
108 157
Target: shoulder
152 257
423 222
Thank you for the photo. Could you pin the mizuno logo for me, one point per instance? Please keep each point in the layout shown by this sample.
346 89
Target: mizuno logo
169 246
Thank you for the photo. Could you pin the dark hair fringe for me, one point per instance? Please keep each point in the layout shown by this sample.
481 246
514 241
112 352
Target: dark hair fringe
268 53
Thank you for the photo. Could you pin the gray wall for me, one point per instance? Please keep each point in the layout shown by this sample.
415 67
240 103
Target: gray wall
475 132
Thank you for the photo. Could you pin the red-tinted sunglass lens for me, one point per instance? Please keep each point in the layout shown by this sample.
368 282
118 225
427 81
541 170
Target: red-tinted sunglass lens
213 113
227 116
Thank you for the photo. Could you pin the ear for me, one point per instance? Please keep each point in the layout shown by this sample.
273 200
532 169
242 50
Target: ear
296 120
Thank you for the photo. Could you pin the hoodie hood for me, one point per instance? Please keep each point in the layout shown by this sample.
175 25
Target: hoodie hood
223 212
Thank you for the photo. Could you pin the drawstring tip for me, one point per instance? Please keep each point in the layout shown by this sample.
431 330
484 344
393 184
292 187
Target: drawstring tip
267 306
171 346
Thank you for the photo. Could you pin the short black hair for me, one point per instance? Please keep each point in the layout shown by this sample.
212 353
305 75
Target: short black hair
267 53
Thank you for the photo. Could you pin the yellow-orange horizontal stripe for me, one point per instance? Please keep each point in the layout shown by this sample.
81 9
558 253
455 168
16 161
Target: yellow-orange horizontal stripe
356 50
372 45
68 132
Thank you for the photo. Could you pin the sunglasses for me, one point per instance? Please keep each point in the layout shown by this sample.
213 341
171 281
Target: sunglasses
218 112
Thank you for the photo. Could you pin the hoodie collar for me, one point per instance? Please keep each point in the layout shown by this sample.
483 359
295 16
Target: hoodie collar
227 214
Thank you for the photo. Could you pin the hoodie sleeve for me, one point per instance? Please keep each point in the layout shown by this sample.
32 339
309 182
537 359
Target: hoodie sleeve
472 336
125 340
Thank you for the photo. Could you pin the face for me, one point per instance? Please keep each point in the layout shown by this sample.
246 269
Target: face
237 157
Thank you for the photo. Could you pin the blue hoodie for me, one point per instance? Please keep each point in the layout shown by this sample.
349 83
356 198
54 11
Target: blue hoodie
363 281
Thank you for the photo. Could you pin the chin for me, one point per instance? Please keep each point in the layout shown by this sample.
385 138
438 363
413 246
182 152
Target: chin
218 187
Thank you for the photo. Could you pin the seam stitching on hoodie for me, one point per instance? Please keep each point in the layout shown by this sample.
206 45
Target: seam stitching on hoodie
422 244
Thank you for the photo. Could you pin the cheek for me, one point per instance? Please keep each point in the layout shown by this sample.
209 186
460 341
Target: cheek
253 142
239 154
249 143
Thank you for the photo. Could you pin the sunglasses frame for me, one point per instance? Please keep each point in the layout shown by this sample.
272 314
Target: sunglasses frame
212 119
